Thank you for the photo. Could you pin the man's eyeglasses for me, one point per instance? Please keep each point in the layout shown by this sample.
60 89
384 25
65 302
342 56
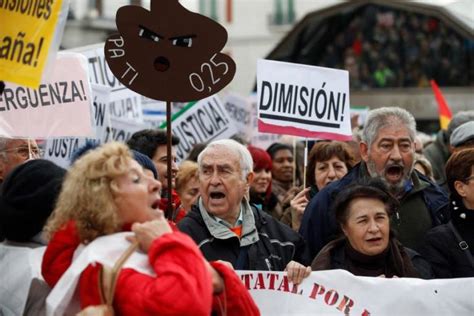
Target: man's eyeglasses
24 151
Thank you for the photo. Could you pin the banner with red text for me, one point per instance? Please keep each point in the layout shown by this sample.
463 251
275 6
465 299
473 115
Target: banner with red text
59 107
337 292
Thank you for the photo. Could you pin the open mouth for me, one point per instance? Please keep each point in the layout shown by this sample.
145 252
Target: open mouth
377 239
161 64
216 195
394 173
155 205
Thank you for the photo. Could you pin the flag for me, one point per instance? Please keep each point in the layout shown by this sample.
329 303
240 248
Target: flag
444 111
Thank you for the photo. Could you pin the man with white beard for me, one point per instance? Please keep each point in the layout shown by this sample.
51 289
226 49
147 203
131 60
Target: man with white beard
387 151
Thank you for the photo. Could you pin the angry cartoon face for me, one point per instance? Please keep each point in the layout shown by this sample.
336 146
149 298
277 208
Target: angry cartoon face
169 53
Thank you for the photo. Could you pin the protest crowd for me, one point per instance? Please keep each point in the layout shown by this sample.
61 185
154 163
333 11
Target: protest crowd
112 229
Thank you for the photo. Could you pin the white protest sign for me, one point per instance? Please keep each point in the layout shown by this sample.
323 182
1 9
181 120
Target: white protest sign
262 140
201 122
300 100
124 103
154 112
240 112
60 150
337 292
120 130
59 107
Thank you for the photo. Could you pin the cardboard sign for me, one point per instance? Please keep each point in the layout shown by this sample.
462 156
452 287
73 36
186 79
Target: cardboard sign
241 113
302 100
169 53
201 122
27 34
337 292
59 107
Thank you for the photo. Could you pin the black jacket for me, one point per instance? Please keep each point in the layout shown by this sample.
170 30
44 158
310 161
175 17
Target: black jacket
442 250
278 244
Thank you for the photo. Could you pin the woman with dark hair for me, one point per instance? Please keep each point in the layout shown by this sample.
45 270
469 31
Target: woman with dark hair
368 247
450 247
260 192
328 161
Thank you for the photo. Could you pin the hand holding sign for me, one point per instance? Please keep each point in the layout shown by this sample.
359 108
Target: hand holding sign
169 53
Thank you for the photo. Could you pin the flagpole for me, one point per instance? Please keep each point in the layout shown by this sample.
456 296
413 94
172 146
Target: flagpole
169 158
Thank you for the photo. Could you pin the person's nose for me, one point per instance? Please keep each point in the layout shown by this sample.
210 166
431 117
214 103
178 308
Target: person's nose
395 154
373 227
154 185
331 173
215 178
174 166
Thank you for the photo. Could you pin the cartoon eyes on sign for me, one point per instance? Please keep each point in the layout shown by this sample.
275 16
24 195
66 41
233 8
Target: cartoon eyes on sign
169 53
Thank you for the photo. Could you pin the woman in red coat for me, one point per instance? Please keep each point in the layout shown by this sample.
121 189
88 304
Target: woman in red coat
106 192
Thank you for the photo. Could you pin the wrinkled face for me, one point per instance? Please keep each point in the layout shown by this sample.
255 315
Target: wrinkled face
261 180
391 156
160 159
136 195
367 227
189 194
329 171
221 184
16 153
282 166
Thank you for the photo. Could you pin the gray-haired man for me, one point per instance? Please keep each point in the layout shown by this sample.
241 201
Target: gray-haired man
387 150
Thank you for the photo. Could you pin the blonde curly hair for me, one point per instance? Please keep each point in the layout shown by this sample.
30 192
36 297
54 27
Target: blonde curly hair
87 193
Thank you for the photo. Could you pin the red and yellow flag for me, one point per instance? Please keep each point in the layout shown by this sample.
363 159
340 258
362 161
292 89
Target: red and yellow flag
445 114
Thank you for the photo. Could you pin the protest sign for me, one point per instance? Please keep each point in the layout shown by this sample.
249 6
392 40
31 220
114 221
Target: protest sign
262 140
361 112
29 38
120 130
154 112
201 122
60 150
241 113
59 107
337 292
300 100
124 103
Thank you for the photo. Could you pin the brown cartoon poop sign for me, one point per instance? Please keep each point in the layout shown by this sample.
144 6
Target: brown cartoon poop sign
169 53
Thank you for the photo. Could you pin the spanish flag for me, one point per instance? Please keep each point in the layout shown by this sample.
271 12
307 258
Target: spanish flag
443 108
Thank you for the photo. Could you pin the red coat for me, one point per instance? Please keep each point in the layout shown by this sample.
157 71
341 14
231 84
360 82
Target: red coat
180 288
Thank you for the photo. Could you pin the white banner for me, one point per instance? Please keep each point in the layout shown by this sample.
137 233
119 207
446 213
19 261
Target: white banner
120 130
337 292
154 112
59 107
306 101
262 140
60 150
201 122
241 113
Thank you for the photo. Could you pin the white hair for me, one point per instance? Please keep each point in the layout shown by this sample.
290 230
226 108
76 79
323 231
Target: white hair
387 116
245 158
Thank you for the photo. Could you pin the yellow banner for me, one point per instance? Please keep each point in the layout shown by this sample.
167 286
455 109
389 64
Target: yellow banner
26 31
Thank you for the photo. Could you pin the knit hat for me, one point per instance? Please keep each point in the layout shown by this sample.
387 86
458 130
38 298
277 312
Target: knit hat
145 162
261 159
462 134
27 198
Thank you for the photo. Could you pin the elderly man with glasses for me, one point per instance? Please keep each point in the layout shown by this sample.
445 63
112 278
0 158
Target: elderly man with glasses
15 151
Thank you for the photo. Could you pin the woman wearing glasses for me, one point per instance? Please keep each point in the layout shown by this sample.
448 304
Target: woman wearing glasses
450 247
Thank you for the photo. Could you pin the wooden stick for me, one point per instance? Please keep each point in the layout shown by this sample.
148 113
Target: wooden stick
169 207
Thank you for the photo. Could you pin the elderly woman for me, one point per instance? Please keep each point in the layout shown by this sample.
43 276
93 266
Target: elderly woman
450 247
328 162
187 184
367 247
107 192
